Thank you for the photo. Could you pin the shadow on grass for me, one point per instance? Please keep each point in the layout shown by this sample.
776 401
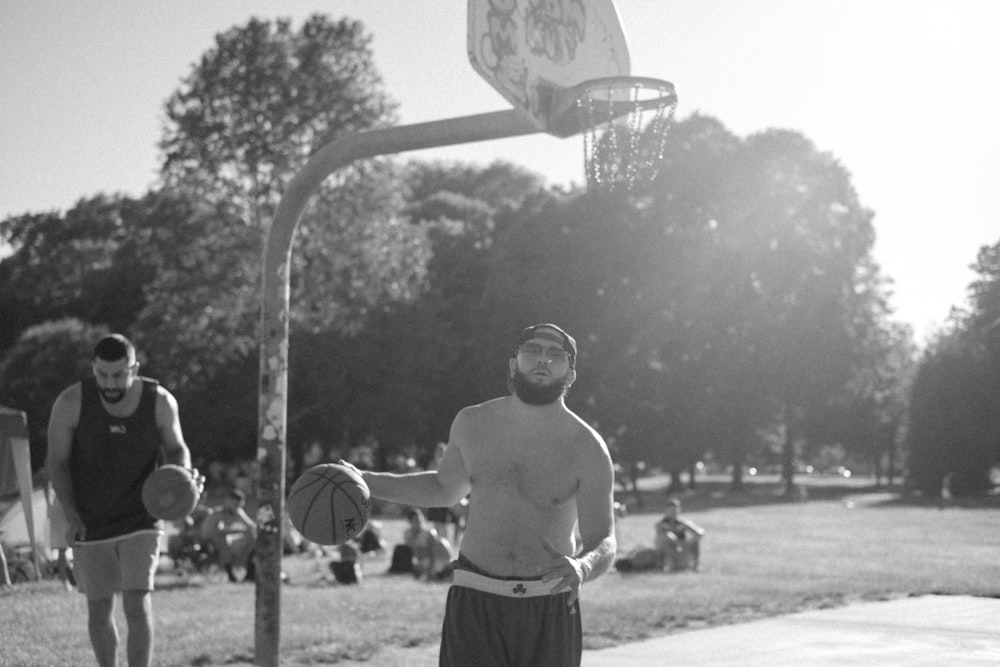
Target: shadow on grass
719 493
169 582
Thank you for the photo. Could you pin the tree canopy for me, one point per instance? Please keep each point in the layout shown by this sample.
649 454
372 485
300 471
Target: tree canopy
730 311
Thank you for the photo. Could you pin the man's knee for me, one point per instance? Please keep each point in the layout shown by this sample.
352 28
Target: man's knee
101 612
137 605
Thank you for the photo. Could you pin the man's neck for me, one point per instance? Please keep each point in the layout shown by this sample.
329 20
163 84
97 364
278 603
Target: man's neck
529 410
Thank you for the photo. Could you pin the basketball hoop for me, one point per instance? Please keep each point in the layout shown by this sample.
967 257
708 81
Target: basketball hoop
624 121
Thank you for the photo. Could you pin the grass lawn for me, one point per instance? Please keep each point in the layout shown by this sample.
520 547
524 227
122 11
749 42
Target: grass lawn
761 557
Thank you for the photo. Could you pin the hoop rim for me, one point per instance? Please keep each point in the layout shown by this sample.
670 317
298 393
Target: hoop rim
564 122
606 82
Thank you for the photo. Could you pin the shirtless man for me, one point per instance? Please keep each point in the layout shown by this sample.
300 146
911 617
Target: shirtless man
536 472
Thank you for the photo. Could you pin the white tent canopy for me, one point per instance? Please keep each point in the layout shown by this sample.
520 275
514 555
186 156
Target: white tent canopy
14 525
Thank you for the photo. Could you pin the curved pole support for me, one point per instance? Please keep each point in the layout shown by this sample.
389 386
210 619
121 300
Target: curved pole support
274 328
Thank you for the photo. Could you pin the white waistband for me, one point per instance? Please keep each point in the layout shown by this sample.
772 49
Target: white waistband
513 588
145 531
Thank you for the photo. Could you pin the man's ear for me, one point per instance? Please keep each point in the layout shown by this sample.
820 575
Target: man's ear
511 367
570 377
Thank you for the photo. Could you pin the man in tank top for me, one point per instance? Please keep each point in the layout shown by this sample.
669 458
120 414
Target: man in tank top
105 435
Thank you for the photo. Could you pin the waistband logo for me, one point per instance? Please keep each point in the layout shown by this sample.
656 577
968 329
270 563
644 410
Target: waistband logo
519 590
117 429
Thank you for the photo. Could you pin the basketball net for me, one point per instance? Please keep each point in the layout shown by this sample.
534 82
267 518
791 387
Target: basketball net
625 122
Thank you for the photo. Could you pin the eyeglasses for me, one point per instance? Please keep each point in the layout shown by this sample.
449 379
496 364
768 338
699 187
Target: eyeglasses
553 355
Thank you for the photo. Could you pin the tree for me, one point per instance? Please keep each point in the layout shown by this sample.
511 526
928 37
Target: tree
459 206
952 430
806 241
262 101
717 305
983 320
983 328
954 427
400 379
47 358
253 110
86 264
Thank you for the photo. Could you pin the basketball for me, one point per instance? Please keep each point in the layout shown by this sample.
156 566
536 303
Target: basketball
170 492
329 504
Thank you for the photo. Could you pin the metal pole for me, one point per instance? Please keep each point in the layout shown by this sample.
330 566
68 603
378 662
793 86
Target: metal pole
273 404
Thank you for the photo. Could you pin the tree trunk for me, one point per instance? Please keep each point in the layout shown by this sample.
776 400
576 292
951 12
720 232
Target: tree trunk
634 472
788 452
676 483
738 455
892 466
877 465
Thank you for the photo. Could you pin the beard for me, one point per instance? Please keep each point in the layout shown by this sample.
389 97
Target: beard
112 395
533 394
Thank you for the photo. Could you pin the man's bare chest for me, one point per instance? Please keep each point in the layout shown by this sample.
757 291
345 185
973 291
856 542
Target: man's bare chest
542 474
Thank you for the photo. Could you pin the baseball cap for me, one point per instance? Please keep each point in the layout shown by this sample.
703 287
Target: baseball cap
549 332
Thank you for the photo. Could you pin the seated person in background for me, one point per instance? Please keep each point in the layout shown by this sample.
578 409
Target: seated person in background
676 545
370 539
234 535
678 539
345 566
440 518
432 553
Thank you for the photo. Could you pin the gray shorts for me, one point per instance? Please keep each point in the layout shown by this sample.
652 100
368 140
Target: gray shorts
126 563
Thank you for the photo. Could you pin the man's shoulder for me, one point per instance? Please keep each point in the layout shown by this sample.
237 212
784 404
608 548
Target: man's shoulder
485 408
70 396
66 408
583 429
163 395
588 443
149 385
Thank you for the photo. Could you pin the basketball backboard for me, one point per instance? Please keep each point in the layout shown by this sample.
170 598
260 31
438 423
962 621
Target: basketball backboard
530 49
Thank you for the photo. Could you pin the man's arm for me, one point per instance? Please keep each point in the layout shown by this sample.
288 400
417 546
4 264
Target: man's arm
168 422
245 518
696 530
443 487
62 424
595 511
595 507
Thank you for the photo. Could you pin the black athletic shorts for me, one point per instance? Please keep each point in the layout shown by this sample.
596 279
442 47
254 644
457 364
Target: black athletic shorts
493 629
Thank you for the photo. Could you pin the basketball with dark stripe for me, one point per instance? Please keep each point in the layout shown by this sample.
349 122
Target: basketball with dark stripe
329 504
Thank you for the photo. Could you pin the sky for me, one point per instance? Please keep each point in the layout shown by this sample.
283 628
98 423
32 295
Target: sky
903 93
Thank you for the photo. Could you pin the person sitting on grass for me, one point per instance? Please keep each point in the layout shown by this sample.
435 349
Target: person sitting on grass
234 536
678 539
676 545
370 540
432 554
345 564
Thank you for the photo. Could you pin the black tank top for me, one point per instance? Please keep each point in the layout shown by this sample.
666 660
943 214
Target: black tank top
110 459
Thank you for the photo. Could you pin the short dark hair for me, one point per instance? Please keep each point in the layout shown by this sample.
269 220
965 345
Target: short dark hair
114 347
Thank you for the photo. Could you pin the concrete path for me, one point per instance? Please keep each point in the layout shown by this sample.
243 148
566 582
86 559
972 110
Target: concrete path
931 630
925 631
